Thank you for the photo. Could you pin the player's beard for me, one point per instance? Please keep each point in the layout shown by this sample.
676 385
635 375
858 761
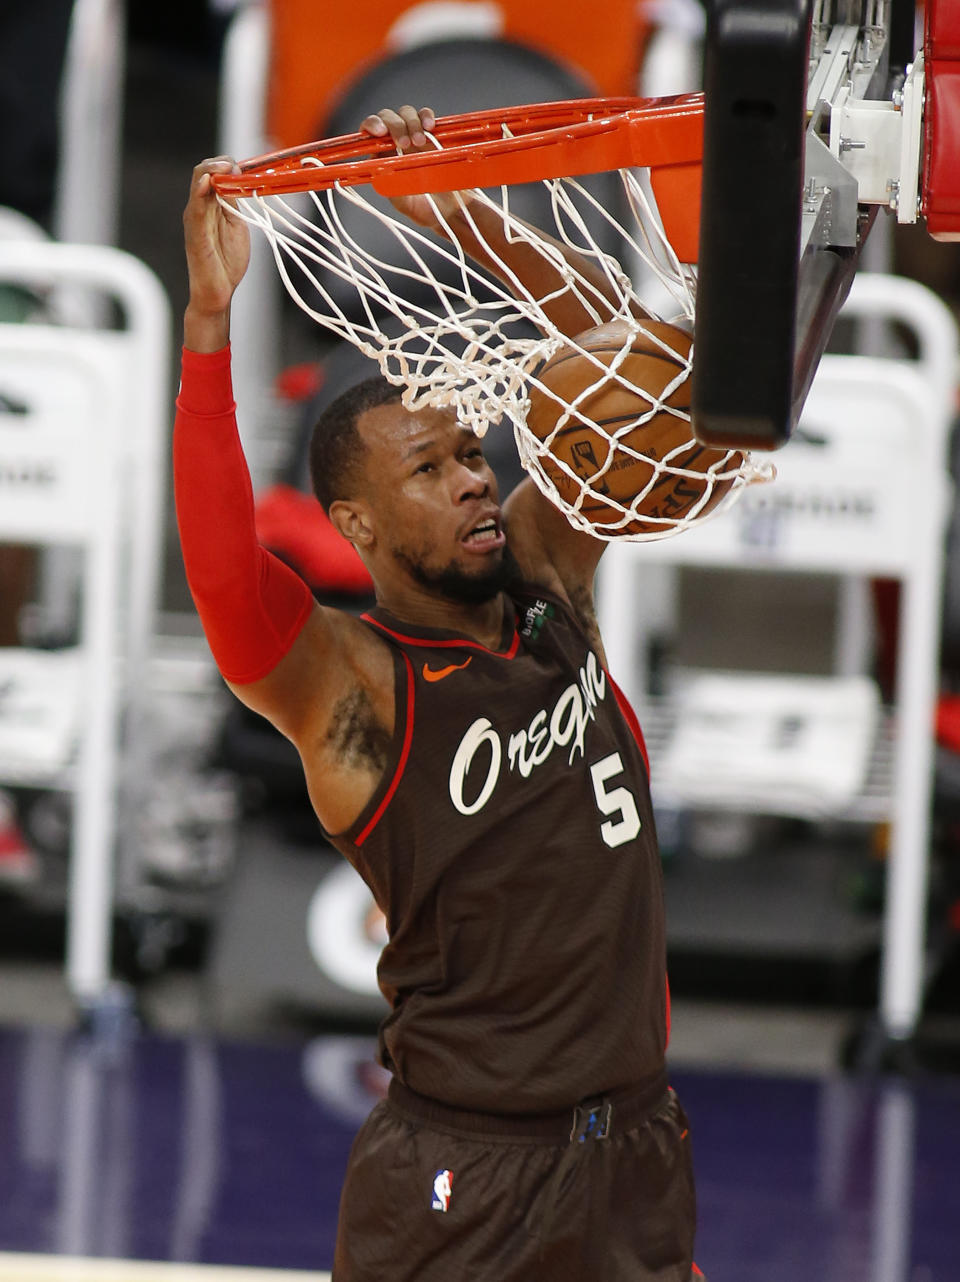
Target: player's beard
456 584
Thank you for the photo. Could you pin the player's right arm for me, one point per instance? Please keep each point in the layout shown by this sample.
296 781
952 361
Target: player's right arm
314 673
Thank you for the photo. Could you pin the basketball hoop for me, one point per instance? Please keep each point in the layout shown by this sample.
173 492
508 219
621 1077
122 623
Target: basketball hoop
449 333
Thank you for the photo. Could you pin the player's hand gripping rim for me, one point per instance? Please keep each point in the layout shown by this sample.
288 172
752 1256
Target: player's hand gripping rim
217 248
412 130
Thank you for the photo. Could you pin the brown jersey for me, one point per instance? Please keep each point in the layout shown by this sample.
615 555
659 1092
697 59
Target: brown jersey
511 846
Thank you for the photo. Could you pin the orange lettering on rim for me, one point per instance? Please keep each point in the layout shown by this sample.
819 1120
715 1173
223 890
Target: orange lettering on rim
437 674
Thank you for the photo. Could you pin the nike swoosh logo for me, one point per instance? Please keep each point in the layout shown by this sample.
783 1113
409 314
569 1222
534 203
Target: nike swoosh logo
437 674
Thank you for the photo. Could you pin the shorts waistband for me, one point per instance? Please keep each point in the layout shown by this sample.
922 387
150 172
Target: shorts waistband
599 1115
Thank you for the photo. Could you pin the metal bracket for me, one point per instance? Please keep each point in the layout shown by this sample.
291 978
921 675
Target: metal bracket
830 197
911 142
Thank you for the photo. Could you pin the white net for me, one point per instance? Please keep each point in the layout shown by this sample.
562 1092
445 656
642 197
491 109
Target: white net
453 334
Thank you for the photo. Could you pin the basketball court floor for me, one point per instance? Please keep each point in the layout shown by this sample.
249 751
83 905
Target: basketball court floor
187 1159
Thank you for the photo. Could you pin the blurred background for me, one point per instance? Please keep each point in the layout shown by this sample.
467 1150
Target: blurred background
220 867
160 867
187 971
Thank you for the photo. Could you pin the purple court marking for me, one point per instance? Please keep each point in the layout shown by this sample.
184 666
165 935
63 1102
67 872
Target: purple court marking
213 1152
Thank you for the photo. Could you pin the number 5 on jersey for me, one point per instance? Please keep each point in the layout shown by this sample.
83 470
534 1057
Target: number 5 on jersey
614 801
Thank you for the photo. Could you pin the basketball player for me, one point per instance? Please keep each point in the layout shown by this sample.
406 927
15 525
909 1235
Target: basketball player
466 750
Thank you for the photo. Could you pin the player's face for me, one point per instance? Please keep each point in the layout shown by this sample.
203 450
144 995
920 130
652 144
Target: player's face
435 502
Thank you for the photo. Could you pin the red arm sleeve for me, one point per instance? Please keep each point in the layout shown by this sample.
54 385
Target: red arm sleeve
252 606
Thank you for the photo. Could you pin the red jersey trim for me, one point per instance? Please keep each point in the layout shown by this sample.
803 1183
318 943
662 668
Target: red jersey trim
401 764
459 643
631 719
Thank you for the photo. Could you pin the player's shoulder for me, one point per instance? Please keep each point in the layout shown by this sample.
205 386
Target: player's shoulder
333 663
547 549
538 603
336 653
362 648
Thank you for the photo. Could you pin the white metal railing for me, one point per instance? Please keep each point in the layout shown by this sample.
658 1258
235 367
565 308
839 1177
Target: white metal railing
91 121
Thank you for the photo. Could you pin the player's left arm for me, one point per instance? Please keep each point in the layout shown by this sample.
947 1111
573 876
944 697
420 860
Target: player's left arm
480 232
550 551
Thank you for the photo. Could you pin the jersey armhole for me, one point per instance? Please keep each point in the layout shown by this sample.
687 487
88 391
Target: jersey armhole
626 708
373 811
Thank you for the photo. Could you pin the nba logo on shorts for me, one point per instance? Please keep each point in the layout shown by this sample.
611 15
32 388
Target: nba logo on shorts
442 1189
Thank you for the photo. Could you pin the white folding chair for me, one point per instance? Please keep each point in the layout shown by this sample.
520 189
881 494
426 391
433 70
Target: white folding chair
863 490
83 463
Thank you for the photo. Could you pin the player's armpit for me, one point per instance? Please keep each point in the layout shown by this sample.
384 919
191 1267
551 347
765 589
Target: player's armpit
294 692
332 695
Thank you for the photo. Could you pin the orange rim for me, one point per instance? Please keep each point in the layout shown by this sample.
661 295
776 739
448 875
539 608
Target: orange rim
548 140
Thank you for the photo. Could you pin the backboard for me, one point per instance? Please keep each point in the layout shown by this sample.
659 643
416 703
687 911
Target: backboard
809 130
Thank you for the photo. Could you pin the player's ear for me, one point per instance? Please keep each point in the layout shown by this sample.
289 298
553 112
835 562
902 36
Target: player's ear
352 518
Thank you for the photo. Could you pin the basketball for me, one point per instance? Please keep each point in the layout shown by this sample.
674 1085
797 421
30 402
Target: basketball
660 452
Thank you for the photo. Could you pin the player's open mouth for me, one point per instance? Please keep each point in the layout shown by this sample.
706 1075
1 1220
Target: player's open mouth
485 536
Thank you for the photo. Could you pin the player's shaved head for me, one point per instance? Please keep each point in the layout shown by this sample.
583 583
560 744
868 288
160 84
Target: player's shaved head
337 448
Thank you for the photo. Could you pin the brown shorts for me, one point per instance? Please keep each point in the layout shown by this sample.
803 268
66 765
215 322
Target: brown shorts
433 1194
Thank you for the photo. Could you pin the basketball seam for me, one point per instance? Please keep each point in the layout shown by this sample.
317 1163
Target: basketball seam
594 423
680 362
